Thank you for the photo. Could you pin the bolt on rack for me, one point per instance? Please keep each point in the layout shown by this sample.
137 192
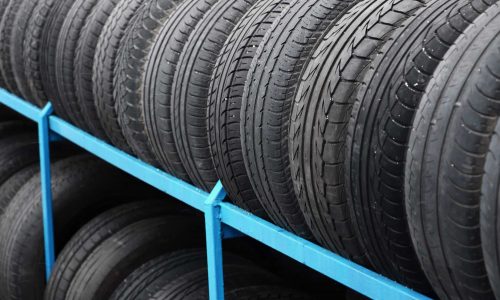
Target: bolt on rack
222 219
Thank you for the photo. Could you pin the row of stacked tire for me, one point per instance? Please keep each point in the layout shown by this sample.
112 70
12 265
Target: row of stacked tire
366 126
117 238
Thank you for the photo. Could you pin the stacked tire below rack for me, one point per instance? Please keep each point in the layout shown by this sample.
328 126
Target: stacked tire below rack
367 126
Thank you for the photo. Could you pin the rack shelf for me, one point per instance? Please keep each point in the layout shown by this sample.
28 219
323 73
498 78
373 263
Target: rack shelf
222 219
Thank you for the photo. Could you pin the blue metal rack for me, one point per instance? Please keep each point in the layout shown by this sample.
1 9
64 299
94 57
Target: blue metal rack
222 219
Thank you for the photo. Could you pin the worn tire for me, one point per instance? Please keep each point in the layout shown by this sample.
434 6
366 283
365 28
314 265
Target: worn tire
446 159
225 94
191 84
130 74
6 35
156 97
490 212
92 235
84 62
110 263
40 47
187 279
18 38
269 90
77 197
65 101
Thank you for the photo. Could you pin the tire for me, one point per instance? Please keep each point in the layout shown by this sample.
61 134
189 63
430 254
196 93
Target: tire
65 101
3 8
187 279
378 131
84 62
109 264
156 97
17 41
226 92
190 89
12 185
17 152
7 114
6 35
130 72
74 188
40 47
10 127
446 159
490 216
105 61
92 235
267 101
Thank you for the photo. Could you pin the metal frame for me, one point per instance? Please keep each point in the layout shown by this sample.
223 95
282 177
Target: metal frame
222 219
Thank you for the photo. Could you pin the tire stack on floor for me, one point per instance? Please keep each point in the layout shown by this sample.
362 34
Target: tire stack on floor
367 126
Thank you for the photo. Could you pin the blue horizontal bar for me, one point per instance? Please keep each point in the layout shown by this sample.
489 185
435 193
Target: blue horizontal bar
26 109
330 264
133 166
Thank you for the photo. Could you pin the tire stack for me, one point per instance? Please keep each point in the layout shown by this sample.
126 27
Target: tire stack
367 126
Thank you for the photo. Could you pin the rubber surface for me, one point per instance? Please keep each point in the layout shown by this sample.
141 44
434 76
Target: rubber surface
490 212
191 86
40 47
6 32
187 279
13 184
93 234
75 202
160 68
18 38
65 101
269 91
130 73
109 264
226 92
84 63
446 158
105 61
3 7
380 125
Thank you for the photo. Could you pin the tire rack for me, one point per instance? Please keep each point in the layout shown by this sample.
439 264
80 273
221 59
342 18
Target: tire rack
222 219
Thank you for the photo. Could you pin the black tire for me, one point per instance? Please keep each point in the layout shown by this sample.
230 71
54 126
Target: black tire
130 73
267 101
65 100
84 62
446 159
92 235
7 114
156 94
226 92
379 129
490 212
16 152
10 127
77 197
105 61
3 8
6 35
40 47
13 184
18 37
191 84
186 278
115 259
320 117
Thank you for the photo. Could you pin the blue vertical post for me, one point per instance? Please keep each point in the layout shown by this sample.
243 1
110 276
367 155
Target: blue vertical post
48 225
213 227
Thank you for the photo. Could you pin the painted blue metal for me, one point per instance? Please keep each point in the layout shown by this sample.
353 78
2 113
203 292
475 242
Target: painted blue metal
222 220
330 264
46 187
213 228
170 185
